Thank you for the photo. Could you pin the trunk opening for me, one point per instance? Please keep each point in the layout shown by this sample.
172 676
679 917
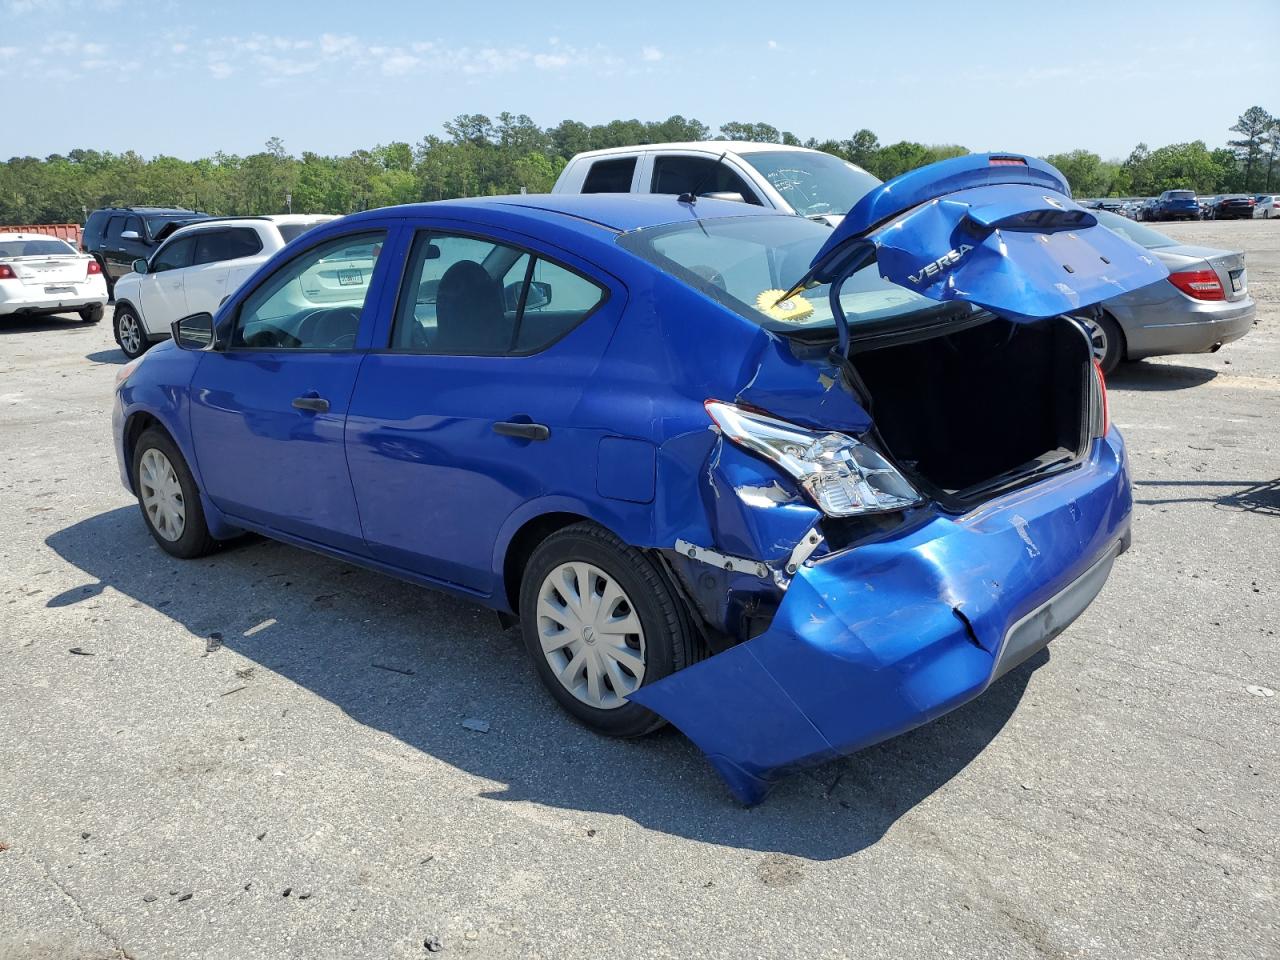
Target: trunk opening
977 410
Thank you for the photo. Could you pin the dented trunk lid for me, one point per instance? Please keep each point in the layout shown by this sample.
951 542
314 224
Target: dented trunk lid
996 230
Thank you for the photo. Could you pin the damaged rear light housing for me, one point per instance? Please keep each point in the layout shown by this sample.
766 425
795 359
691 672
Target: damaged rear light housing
843 476
1199 284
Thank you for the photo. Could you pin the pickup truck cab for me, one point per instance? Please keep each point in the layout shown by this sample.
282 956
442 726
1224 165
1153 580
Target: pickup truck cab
794 180
194 270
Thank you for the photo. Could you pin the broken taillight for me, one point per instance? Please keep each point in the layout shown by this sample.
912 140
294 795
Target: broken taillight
844 477
1104 413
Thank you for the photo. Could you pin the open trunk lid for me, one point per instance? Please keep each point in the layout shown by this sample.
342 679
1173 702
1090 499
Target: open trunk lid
997 230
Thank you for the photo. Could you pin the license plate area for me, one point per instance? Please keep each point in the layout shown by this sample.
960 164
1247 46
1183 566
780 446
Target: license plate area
61 288
1238 281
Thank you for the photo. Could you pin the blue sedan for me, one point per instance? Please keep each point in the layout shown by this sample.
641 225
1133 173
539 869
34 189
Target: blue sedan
792 489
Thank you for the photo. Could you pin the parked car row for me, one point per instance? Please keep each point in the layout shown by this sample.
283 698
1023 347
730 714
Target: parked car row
1185 205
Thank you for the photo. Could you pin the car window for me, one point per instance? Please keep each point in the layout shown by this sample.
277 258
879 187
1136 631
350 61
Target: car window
214 246
1139 233
610 176
51 247
134 224
173 255
700 175
814 184
291 231
314 301
114 226
464 296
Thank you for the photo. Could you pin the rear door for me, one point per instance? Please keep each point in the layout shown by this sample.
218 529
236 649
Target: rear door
113 251
269 407
162 289
207 280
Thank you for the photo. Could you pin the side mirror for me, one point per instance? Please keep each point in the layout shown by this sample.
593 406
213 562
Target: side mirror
194 332
130 235
733 195
140 266
539 295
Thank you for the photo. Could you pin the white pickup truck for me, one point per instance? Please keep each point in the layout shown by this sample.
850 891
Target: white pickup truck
796 180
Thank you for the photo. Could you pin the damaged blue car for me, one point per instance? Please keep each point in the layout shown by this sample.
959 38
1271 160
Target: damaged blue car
792 489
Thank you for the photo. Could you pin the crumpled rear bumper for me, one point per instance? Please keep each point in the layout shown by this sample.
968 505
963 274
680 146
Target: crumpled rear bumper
875 640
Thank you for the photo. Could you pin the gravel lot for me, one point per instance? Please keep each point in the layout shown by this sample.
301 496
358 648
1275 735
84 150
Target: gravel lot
265 754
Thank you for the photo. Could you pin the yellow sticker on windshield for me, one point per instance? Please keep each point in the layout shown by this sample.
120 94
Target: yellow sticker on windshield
794 308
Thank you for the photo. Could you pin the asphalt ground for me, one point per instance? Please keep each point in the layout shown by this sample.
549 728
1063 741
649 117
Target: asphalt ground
268 753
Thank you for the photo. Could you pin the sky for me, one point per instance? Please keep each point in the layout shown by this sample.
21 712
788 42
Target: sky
188 79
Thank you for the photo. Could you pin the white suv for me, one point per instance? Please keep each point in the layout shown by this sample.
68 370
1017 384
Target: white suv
791 179
194 270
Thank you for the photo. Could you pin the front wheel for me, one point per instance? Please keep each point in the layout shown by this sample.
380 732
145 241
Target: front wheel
600 620
129 332
168 497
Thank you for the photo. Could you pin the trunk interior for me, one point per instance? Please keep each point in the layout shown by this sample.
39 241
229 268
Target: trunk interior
975 410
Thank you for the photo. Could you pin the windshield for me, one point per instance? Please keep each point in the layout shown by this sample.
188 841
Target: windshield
814 184
737 261
35 248
154 223
1142 236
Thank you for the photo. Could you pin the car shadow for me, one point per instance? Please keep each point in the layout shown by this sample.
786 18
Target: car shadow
1252 497
40 323
115 356
1138 375
415 664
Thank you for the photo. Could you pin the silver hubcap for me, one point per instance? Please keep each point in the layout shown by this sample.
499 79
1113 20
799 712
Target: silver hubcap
162 495
1097 340
590 635
130 335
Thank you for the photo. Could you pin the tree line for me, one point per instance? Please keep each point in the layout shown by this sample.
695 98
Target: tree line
477 155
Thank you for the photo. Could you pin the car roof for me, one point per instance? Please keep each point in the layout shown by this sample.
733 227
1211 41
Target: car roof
616 212
213 223
700 146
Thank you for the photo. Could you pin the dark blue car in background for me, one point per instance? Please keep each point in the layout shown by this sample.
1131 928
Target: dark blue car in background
1175 205
794 489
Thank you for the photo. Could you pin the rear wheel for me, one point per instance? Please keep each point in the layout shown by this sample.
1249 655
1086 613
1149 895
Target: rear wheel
91 313
168 497
600 620
1106 340
129 333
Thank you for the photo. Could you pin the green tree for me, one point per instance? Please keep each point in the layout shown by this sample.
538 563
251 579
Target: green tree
1254 125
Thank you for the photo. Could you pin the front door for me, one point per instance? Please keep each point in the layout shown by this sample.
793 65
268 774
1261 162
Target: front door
162 291
268 410
468 414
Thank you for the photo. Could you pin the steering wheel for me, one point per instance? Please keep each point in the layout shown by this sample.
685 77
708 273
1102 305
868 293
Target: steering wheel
309 321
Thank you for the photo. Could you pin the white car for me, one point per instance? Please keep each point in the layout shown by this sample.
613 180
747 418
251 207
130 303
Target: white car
791 179
41 274
1266 207
194 270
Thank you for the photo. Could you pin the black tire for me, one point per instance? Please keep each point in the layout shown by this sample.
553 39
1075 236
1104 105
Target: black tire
132 346
670 640
195 540
92 313
1115 343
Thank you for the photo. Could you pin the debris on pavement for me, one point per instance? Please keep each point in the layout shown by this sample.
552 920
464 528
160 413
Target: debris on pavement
1258 691
149 898
185 897
479 726
433 944
81 652
227 693
213 643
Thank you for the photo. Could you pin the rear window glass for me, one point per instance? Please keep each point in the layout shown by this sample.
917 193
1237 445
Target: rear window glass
746 262
610 176
51 247
1182 195
1143 236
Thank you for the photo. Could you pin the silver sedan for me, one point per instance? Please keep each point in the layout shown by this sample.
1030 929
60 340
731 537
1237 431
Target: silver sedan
1203 304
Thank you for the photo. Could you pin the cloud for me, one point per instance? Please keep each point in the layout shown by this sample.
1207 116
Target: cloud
773 44
550 61
651 54
399 64
220 70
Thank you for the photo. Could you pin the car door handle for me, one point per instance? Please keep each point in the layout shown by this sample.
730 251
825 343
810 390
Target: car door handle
312 403
525 431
